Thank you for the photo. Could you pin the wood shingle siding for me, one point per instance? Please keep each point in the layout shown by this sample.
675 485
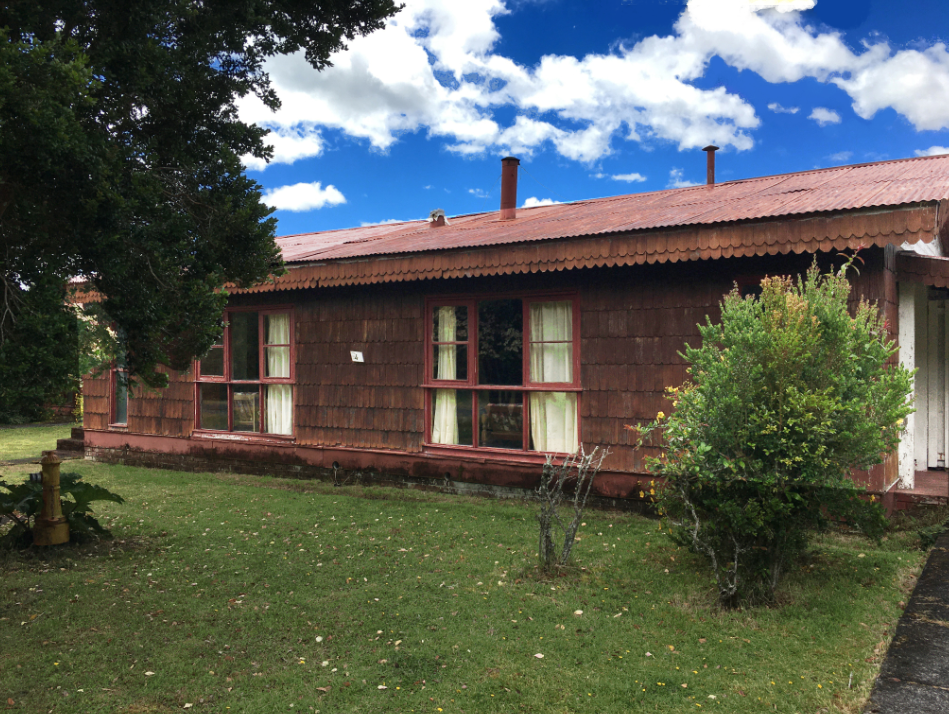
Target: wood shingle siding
377 404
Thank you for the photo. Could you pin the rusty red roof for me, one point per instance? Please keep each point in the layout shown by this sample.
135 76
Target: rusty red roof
864 186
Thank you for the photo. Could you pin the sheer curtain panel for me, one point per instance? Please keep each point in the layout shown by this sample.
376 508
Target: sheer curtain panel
445 419
553 415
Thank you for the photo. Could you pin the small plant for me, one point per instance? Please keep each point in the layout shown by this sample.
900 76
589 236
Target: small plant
574 474
21 503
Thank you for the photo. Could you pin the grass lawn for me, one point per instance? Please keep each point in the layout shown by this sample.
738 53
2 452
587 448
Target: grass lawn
28 442
226 593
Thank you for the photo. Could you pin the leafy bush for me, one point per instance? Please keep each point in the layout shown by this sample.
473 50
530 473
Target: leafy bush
23 502
786 396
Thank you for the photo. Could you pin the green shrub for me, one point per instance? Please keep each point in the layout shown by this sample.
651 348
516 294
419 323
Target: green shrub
787 394
22 502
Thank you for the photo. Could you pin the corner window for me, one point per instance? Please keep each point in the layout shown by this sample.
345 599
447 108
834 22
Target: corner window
118 392
245 382
502 373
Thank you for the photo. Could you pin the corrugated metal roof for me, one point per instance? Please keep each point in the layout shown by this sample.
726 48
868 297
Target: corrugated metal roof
885 183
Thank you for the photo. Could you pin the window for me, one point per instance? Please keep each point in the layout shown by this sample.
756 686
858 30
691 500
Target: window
118 392
489 386
245 382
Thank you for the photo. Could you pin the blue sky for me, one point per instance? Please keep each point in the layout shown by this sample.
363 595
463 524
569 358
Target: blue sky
596 99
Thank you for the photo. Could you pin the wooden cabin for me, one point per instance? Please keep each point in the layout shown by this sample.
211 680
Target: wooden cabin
456 353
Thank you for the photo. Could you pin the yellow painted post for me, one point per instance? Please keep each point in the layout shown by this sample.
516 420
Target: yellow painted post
50 527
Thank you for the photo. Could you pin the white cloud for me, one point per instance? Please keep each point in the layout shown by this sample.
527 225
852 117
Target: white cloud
933 151
533 202
778 109
841 156
303 197
677 180
631 178
386 222
914 83
478 193
783 5
436 68
824 116
289 144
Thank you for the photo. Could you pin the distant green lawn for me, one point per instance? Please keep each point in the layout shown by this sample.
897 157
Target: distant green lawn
236 594
30 442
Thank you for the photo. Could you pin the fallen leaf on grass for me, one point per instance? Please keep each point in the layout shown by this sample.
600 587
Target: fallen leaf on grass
539 655
149 674
323 689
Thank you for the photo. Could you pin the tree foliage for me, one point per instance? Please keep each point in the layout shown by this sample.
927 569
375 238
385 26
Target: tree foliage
787 394
39 354
120 153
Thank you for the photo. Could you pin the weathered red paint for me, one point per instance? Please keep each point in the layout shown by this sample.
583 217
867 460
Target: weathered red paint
433 466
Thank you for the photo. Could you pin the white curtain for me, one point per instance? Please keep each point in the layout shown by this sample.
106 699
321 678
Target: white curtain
279 409
445 420
279 397
551 341
278 358
553 414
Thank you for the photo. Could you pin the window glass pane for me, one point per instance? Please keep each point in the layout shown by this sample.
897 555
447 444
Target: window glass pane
450 361
450 324
278 361
501 419
121 397
554 422
245 343
213 407
451 417
500 342
551 334
277 329
213 363
279 409
246 404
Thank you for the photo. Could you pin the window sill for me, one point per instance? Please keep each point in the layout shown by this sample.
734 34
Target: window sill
118 427
536 387
487 454
243 437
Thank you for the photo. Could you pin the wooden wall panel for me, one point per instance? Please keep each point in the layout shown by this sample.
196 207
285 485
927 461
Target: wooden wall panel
95 402
376 404
166 412
634 322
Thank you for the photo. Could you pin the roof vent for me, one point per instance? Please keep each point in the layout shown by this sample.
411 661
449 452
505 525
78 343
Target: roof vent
710 170
437 219
509 188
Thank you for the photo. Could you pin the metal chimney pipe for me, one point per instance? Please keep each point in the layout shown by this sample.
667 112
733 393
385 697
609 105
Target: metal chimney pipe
710 169
509 188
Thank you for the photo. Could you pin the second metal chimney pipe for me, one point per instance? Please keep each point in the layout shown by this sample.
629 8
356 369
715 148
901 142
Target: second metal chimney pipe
509 188
710 170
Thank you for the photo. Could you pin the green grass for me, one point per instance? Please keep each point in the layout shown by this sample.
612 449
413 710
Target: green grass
29 442
244 594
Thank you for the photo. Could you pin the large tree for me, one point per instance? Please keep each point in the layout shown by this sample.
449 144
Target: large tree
120 152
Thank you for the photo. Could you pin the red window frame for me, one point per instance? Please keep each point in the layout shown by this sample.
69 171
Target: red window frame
430 384
262 381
